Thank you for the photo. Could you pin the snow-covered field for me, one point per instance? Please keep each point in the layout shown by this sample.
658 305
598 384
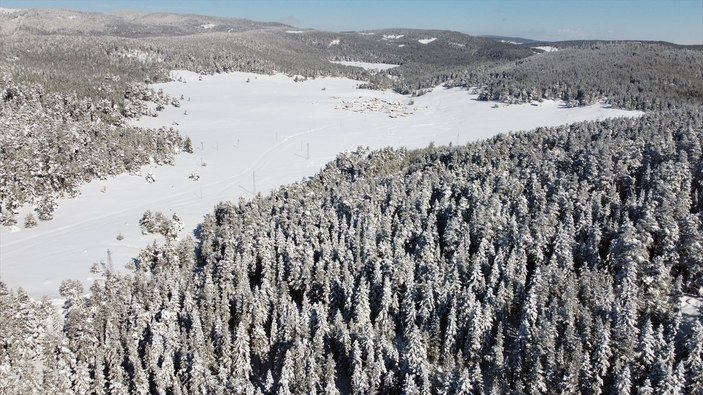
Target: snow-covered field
249 138
426 40
547 48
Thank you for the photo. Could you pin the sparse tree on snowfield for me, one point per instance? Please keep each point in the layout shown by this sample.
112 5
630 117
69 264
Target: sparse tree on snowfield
46 207
148 222
30 221
8 218
188 145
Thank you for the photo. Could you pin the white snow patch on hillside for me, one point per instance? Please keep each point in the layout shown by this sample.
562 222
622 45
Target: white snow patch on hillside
366 65
294 31
547 48
7 11
367 33
333 42
426 40
208 26
510 42
401 45
392 36
247 138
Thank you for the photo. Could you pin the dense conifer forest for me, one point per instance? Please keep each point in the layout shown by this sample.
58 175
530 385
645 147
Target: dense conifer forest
547 261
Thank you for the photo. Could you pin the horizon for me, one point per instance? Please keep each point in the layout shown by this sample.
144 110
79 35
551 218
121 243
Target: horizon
675 21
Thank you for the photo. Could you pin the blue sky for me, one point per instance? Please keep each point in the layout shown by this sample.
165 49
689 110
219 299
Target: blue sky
679 21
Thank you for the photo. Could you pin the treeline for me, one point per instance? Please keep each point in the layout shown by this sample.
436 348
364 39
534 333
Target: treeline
550 261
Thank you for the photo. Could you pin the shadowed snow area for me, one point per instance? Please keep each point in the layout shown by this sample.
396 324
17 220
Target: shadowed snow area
249 137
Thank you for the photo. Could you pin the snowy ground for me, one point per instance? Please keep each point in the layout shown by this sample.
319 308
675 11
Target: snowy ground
691 306
547 48
249 138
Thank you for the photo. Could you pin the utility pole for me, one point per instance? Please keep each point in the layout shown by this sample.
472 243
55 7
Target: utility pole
109 260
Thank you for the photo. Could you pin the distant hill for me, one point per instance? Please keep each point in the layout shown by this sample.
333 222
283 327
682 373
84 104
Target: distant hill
122 24
214 44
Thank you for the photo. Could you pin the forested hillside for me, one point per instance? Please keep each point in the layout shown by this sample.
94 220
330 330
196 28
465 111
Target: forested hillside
549 261
633 75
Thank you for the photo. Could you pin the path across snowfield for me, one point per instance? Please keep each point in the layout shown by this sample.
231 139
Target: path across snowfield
249 137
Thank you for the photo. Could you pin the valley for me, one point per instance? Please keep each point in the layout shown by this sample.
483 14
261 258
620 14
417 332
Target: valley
248 137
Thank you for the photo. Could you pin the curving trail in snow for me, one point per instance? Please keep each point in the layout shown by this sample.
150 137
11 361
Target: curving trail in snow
248 136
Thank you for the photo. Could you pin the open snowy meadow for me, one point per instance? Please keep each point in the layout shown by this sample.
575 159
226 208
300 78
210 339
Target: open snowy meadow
251 133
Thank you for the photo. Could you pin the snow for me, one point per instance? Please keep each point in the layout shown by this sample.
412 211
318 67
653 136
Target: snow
333 42
366 65
6 11
510 42
392 36
208 26
248 138
691 306
547 48
294 31
426 40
